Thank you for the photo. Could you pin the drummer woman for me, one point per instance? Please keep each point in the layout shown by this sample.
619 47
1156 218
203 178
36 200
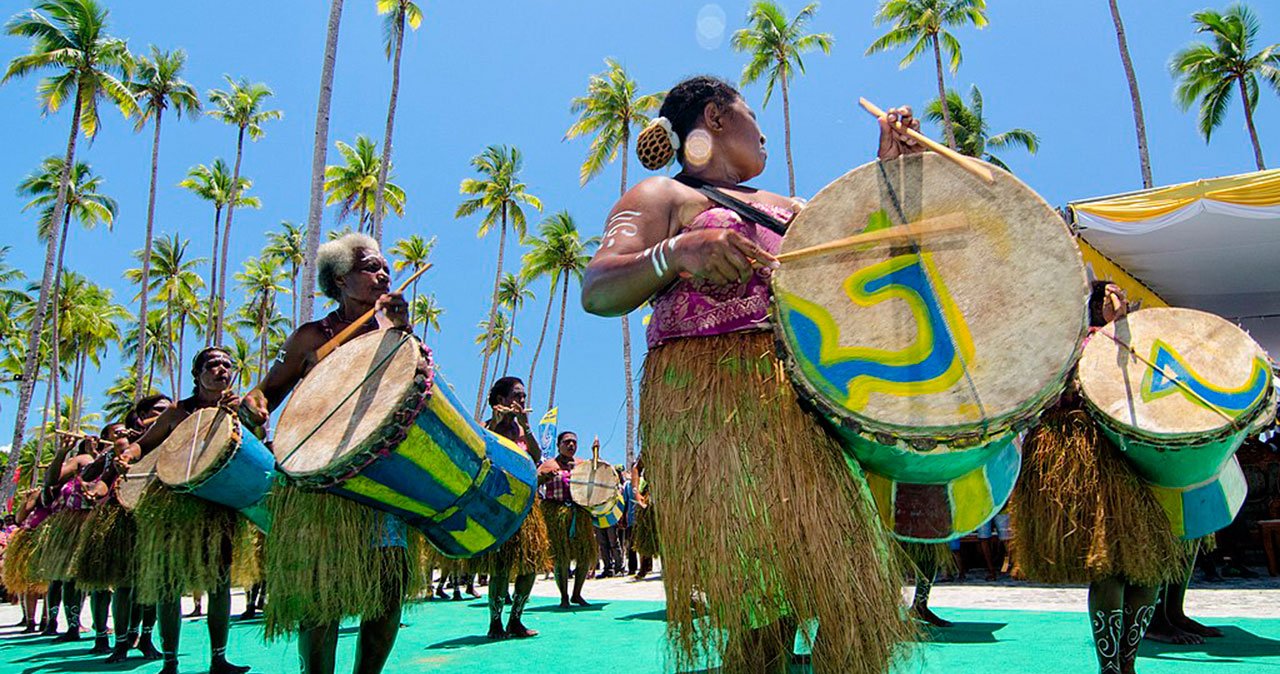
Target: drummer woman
1081 515
738 467
184 542
365 570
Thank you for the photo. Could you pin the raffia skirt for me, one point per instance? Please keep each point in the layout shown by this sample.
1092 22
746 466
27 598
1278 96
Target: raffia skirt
645 533
761 515
925 558
59 536
248 555
527 551
184 545
19 558
106 554
571 535
1080 514
325 561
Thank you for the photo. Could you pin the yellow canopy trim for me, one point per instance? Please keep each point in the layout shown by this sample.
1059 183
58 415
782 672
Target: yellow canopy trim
1261 188
1103 269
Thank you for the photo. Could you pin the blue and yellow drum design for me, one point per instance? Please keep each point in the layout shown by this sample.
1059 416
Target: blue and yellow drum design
930 355
374 422
1178 391
607 514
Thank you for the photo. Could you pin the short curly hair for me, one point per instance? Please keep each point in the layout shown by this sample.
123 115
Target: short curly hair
335 259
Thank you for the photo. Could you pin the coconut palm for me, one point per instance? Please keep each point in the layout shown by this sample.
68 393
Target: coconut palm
426 311
69 38
11 302
398 14
500 195
973 136
513 291
1139 120
88 322
213 184
262 279
354 184
775 44
319 148
287 247
242 359
1208 74
924 24
121 395
240 106
559 252
175 284
413 252
495 337
158 86
160 353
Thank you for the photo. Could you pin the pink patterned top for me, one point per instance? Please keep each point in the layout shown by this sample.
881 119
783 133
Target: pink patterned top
696 308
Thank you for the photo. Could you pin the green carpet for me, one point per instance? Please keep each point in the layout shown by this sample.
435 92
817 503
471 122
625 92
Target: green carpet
626 636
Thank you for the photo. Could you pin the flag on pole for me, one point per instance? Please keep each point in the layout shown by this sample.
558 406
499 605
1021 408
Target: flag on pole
547 427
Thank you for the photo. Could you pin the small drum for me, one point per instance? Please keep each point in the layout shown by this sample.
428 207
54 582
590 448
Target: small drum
1180 419
607 514
131 485
930 358
374 423
209 455
594 483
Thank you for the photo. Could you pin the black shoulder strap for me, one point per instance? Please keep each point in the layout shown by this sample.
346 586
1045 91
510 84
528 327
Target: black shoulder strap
742 208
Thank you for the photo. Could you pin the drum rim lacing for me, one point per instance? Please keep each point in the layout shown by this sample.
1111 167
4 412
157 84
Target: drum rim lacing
218 464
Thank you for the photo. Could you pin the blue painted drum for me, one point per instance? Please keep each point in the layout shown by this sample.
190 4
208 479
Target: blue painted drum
375 423
607 514
209 455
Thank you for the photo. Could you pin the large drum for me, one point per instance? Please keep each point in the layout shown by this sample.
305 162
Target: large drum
209 455
1180 422
930 358
130 486
374 423
593 484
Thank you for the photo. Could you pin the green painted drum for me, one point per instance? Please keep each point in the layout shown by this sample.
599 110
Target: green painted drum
1197 387
929 357
606 514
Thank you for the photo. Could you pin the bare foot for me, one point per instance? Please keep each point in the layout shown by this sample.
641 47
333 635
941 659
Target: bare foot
923 613
1166 633
1188 625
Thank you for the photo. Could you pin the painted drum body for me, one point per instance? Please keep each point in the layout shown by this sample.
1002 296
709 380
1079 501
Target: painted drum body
209 455
374 423
1182 441
131 485
607 514
930 357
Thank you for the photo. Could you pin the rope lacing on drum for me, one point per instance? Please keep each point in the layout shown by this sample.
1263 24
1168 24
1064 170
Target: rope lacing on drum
372 371
915 248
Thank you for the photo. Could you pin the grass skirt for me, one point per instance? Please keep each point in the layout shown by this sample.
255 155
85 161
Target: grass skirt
525 552
1080 514
322 564
571 535
248 555
761 514
183 544
16 571
59 536
923 557
105 555
645 533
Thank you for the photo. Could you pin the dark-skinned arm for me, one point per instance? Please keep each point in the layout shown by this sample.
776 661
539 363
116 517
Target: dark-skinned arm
156 434
284 375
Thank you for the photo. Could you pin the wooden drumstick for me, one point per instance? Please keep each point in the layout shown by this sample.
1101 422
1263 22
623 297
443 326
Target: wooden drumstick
1171 376
70 434
966 163
911 230
346 333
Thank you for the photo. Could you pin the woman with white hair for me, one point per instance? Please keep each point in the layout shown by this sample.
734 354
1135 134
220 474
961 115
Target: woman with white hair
364 568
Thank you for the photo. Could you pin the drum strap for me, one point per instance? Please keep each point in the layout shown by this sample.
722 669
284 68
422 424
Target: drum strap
742 208
468 496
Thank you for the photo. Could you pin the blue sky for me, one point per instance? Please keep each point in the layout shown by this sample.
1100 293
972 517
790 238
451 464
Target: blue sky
480 73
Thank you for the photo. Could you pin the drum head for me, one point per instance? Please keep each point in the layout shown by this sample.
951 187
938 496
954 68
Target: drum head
195 445
970 334
140 476
1221 365
341 408
592 486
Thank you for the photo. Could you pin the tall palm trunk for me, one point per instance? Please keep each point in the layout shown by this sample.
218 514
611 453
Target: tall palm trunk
493 309
380 200
1139 120
173 369
942 95
146 247
319 146
627 378
511 344
1248 120
293 287
786 135
555 361
27 386
213 278
55 318
182 336
542 336
77 389
226 237
262 341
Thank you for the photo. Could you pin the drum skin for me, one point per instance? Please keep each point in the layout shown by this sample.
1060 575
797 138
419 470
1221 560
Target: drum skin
131 485
593 484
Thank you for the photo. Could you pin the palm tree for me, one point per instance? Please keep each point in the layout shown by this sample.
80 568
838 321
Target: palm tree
499 193
160 354
513 290
241 107
559 252
158 86
68 37
399 13
319 148
775 44
415 252
11 299
242 358
87 317
213 184
923 24
494 337
175 284
287 247
121 395
972 133
1139 120
354 184
262 279
1208 74
426 311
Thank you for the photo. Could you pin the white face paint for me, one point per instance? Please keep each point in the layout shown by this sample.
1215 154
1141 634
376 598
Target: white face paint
621 224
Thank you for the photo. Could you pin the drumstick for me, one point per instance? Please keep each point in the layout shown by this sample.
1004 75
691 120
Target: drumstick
942 223
966 163
342 337
1171 376
69 434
